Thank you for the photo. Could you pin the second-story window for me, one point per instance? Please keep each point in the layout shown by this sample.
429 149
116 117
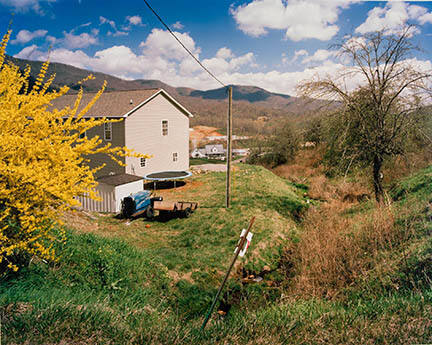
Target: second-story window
108 131
175 156
143 162
165 127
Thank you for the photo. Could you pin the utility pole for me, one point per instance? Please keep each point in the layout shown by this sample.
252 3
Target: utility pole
229 148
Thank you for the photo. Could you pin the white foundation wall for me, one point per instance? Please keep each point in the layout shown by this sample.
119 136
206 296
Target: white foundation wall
111 197
125 190
107 204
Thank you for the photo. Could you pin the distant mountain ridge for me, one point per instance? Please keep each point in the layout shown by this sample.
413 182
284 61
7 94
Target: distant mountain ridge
70 75
240 93
251 106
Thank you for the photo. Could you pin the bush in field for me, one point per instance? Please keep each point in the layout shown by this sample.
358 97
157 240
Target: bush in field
314 131
279 148
42 164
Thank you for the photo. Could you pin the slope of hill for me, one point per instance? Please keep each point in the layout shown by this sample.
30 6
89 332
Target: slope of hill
124 283
70 76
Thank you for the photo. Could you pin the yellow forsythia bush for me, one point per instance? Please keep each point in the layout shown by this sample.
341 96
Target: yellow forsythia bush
42 163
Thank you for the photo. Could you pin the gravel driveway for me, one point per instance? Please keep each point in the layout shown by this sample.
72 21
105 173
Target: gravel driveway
209 167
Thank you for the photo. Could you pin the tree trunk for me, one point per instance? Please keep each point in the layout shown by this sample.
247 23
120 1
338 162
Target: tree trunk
377 178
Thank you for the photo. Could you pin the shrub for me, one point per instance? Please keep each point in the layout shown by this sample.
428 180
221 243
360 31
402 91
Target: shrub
42 162
279 148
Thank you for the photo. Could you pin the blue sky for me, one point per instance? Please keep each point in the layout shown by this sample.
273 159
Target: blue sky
273 44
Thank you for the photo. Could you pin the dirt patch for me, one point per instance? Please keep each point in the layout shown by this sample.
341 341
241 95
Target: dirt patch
175 276
192 185
16 309
210 167
200 132
80 221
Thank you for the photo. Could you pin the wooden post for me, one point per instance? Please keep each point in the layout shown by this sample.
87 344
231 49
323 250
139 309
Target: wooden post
236 254
229 148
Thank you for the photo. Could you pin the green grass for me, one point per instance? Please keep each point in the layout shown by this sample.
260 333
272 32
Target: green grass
128 284
199 161
418 185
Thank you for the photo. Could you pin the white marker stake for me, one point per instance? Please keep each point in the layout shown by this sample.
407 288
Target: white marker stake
246 244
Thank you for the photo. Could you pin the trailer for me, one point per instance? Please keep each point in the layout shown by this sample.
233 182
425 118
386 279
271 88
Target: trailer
145 204
183 209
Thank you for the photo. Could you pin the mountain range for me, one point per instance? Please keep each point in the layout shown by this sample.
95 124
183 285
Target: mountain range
209 107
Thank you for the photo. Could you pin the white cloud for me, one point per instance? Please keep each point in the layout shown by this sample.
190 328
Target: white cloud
112 24
134 20
161 43
26 5
75 58
103 20
51 39
79 41
25 36
177 25
301 19
224 53
297 54
320 55
223 63
27 52
82 26
393 16
118 33
425 18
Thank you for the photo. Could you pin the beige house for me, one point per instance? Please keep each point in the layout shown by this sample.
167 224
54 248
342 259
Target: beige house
153 123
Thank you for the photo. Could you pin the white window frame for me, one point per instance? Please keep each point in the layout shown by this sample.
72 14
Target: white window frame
175 156
164 128
143 162
108 129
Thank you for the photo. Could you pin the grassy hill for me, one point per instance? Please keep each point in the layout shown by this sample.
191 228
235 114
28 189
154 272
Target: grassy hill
117 280
125 283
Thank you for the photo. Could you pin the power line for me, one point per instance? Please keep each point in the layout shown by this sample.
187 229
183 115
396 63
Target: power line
190 53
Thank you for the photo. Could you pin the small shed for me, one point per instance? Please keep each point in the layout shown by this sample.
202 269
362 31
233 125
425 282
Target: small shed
112 189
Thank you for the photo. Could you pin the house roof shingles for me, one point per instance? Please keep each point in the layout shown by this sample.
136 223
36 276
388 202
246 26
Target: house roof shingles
113 104
214 149
119 179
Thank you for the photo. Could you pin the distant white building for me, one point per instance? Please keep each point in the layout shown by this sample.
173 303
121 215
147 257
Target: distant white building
198 153
215 151
210 152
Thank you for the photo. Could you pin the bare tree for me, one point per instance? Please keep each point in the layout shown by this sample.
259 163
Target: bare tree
380 111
